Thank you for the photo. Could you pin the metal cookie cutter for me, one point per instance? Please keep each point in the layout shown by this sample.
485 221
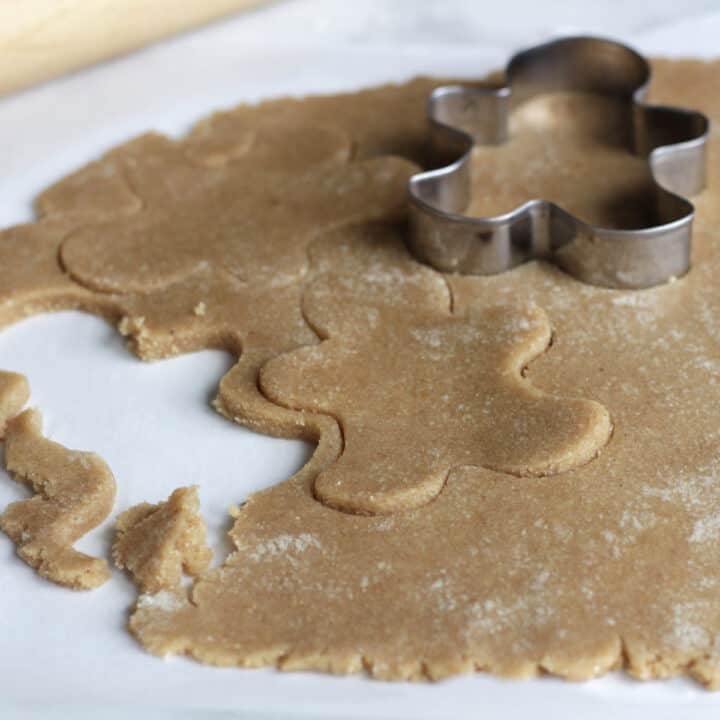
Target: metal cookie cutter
674 141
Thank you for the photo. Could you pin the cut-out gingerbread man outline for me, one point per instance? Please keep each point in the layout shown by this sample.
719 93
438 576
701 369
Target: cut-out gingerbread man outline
241 219
418 391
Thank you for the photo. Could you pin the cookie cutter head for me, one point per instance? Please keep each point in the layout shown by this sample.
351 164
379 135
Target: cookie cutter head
674 141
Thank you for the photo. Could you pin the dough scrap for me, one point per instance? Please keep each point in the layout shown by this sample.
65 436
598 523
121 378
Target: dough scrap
74 493
418 391
611 564
158 543
14 393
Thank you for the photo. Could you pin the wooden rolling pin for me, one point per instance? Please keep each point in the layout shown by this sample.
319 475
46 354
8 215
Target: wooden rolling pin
40 39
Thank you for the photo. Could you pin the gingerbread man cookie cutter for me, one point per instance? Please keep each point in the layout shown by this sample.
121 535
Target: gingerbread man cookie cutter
673 140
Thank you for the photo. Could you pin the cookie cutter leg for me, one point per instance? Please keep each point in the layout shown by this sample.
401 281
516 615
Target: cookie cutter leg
674 141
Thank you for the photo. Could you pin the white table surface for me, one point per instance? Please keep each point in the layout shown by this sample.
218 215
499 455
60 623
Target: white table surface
67 655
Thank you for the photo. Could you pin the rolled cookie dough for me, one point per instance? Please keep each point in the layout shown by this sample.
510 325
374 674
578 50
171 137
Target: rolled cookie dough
612 564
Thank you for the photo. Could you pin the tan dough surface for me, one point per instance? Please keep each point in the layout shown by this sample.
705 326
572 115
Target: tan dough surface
572 153
75 492
612 563
158 543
